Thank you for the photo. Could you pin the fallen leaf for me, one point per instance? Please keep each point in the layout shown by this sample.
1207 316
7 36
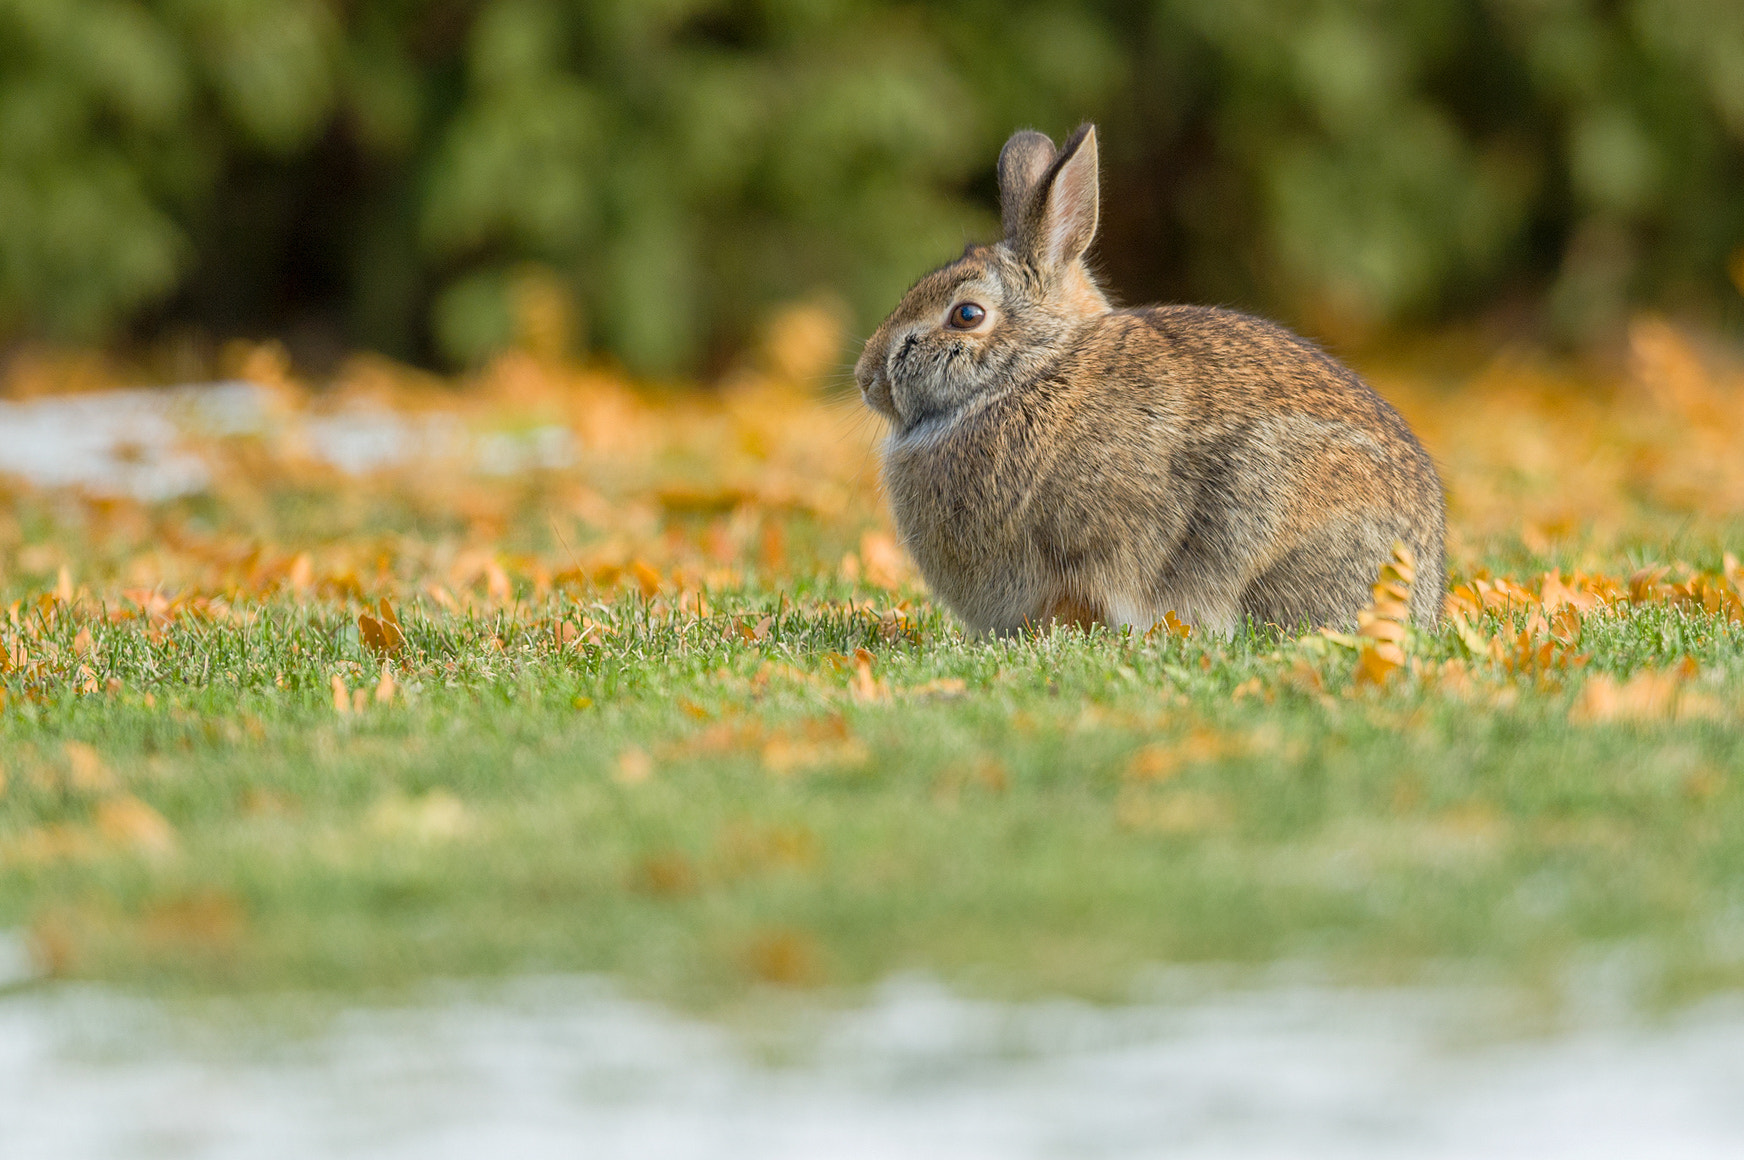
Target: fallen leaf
1155 762
784 957
497 586
1170 625
301 575
126 821
864 687
647 578
1649 695
667 874
945 688
85 768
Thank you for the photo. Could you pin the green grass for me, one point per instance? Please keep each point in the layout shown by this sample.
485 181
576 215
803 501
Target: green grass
699 813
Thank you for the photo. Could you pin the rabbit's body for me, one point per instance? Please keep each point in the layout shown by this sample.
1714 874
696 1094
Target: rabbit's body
1059 460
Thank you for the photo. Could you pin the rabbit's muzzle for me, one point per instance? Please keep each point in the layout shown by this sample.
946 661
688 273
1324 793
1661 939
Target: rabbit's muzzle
874 380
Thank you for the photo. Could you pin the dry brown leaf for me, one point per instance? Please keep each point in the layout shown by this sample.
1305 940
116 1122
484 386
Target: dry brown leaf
665 874
770 671
1252 687
206 917
85 769
1565 626
1384 622
864 687
1154 762
1304 677
301 574
772 546
1646 586
784 957
1555 593
1649 695
1374 668
647 578
374 634
945 688
785 753
1169 625
126 821
497 587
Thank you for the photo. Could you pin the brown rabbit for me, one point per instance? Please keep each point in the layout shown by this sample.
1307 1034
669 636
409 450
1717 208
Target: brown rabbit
1052 458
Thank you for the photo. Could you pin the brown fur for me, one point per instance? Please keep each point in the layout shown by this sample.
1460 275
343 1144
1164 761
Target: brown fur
1065 460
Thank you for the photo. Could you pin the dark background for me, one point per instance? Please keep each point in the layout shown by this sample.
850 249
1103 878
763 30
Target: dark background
392 174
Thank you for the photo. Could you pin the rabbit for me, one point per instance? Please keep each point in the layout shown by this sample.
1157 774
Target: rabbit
1054 459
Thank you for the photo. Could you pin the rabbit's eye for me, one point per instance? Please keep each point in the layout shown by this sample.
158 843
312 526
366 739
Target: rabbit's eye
966 316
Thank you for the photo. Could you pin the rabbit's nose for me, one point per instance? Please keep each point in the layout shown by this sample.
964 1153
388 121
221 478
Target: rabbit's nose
867 367
876 391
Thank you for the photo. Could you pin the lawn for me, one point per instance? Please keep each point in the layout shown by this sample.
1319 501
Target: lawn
673 707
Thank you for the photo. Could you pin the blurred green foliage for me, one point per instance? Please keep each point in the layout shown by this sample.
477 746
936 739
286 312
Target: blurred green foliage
393 167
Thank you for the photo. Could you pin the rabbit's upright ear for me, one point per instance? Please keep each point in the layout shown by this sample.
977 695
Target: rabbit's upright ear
1021 165
1059 219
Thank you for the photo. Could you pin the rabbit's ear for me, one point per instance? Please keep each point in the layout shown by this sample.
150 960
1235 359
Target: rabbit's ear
1059 222
1021 165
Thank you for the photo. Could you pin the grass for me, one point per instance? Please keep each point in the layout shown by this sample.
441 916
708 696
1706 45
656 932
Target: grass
699 811
680 713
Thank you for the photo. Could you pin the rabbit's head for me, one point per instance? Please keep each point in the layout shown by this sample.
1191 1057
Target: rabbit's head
1001 312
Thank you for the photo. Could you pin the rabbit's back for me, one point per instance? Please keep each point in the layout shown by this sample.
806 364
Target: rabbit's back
1172 458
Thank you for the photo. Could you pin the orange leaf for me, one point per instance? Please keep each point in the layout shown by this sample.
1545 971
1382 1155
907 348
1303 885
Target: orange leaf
1647 696
85 767
1374 669
1645 586
301 575
647 577
1566 625
496 583
945 688
1380 628
863 685
127 821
